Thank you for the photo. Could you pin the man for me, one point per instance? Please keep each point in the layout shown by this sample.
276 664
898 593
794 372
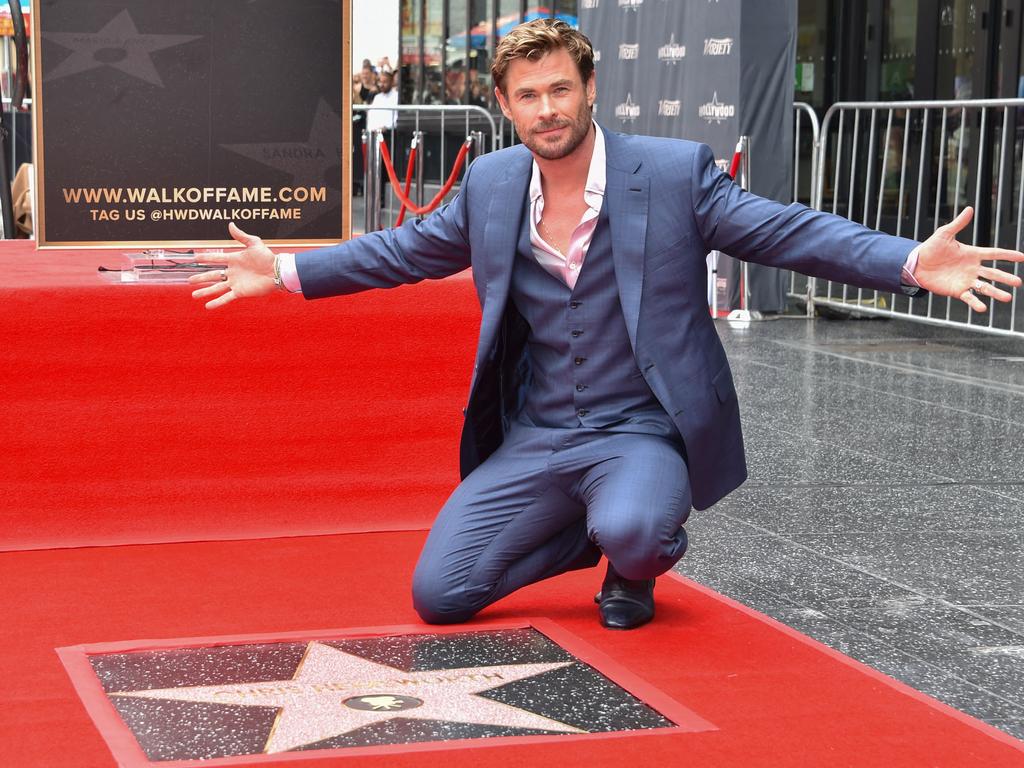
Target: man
601 405
364 88
385 119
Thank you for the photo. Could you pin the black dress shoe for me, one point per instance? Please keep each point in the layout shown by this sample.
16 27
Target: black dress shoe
625 603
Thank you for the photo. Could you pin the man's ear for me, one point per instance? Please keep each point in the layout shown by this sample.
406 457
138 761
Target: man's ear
591 89
502 102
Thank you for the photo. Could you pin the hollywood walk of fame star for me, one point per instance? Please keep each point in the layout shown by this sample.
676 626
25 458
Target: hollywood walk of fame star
308 162
333 693
119 45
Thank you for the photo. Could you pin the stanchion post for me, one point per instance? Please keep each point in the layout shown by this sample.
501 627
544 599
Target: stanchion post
478 143
373 206
745 183
417 138
743 314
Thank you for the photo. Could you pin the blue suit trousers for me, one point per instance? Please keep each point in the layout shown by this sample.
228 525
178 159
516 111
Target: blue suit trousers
549 501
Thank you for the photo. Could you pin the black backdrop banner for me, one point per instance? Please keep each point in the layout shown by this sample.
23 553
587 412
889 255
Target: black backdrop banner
159 122
708 71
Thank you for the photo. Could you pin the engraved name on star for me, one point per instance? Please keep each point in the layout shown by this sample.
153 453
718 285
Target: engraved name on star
119 45
333 693
308 162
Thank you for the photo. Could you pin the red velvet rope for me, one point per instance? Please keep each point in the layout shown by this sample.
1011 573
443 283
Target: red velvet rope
735 165
408 183
403 199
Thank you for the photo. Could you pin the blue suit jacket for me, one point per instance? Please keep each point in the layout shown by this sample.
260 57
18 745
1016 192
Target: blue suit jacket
668 206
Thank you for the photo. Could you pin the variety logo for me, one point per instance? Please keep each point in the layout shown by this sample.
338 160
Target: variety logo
715 111
669 107
630 5
597 55
631 52
627 111
717 46
589 4
672 52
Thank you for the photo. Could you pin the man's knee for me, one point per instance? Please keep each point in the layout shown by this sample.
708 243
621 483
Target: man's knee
640 554
439 602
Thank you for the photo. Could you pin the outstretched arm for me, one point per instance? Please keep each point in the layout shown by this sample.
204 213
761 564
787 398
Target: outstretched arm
427 248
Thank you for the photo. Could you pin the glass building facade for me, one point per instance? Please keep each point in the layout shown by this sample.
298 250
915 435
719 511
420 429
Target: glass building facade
847 50
446 46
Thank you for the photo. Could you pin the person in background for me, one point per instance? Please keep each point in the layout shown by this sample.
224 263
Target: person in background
364 88
383 119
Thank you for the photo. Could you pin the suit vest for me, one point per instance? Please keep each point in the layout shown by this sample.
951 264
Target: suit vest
582 372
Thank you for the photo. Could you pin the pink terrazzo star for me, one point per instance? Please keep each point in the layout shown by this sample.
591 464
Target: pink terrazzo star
333 693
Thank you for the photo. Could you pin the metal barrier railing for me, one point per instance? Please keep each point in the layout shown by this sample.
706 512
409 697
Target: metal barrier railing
439 131
907 168
806 140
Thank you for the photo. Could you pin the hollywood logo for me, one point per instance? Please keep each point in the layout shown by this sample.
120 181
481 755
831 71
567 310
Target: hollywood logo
717 46
715 112
627 111
629 52
630 5
597 55
589 4
672 52
669 107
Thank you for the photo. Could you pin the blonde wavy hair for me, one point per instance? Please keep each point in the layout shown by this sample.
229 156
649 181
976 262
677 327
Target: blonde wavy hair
536 38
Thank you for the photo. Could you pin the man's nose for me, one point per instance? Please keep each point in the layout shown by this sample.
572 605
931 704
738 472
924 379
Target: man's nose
547 106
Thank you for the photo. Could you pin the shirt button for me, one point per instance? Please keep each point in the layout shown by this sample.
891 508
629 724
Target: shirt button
577 333
579 360
580 387
574 304
582 412
573 266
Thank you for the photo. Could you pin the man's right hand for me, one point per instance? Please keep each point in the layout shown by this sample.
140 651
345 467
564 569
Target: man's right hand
246 273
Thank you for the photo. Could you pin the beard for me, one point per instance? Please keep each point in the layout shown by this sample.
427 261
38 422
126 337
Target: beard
578 129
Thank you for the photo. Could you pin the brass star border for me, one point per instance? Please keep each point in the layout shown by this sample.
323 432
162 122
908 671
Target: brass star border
333 701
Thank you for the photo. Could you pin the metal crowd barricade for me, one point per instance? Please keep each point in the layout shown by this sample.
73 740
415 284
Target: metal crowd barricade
806 140
440 131
907 168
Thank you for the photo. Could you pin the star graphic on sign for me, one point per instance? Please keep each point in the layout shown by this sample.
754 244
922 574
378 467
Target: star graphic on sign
333 693
307 162
119 45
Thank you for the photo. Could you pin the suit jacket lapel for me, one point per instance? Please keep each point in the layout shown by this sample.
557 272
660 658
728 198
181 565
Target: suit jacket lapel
502 229
627 195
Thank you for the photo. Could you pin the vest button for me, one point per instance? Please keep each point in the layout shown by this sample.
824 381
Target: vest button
582 412
574 304
576 333
579 360
580 387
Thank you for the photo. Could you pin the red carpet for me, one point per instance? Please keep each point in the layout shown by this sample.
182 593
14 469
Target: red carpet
776 698
135 415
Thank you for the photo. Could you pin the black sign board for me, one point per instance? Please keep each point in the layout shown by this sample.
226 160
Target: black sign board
159 122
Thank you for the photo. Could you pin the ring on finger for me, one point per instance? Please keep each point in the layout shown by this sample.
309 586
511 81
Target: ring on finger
223 275
979 286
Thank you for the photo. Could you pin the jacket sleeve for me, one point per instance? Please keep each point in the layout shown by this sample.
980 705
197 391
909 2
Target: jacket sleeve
794 237
423 248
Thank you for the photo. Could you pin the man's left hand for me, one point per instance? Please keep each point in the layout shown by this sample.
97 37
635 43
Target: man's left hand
950 268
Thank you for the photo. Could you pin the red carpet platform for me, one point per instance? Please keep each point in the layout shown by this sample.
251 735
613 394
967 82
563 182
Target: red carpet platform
135 415
775 698
205 449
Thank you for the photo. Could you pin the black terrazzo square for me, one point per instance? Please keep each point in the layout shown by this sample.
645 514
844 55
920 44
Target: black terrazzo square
235 698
